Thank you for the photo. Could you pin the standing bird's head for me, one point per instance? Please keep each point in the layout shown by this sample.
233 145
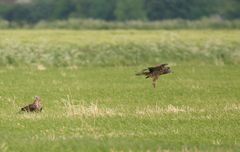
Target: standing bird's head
37 102
37 99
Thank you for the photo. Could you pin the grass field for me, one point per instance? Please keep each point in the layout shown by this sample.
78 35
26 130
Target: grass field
94 102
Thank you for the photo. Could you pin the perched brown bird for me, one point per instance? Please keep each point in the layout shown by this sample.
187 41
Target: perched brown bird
36 106
155 72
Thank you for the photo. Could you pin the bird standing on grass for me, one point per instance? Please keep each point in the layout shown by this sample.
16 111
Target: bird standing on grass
36 106
155 72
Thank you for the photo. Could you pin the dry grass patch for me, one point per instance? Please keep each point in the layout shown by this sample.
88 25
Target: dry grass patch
92 110
157 110
231 107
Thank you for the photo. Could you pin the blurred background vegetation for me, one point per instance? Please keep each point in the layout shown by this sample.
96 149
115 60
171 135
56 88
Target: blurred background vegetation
105 14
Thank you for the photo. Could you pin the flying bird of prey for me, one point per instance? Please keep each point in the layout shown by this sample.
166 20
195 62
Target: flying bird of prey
36 106
155 72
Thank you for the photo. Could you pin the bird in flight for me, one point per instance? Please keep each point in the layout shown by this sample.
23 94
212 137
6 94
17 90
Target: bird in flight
155 72
36 106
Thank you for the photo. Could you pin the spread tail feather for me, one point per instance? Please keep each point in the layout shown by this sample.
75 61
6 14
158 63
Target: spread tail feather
143 72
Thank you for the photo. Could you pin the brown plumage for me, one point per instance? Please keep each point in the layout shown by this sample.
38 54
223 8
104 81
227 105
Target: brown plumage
155 72
36 106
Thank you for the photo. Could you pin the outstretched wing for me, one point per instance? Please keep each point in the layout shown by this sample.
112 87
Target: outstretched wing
157 68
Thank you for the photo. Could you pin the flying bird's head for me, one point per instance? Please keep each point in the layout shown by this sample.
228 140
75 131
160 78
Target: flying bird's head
167 70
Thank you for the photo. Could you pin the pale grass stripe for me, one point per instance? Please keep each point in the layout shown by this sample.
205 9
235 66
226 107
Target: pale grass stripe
230 107
156 110
93 110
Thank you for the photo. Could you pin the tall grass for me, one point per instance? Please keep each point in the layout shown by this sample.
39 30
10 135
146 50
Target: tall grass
118 48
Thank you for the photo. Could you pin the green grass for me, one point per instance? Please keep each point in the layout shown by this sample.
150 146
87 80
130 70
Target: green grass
102 109
107 107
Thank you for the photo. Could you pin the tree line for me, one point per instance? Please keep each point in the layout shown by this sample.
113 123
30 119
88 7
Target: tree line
118 10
